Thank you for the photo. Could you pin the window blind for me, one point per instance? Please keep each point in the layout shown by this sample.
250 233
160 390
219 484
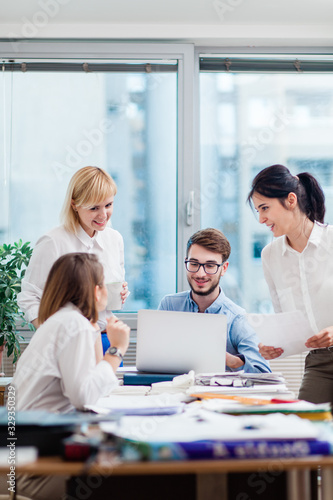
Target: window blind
265 65
292 368
89 67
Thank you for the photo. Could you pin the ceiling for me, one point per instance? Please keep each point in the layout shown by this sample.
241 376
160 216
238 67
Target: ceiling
222 22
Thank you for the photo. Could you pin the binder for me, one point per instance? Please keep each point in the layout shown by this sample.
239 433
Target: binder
145 378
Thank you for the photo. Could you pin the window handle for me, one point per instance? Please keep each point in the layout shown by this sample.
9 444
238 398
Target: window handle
190 209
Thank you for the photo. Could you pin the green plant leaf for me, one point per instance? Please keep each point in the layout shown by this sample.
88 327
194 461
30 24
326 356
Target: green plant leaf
14 258
10 348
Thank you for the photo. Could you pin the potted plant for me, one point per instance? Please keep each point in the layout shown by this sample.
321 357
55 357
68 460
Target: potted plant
13 262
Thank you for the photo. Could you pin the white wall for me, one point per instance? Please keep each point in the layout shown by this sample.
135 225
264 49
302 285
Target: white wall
244 23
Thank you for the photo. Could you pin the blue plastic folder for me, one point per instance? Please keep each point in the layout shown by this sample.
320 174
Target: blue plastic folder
144 378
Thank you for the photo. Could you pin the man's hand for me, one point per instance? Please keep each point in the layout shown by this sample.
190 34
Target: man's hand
232 361
269 352
323 339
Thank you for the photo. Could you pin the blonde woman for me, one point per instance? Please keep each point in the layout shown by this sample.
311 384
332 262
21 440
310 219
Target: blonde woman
86 211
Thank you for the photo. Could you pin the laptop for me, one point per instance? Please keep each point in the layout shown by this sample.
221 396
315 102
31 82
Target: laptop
177 342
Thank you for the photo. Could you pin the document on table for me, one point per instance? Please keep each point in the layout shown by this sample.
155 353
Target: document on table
238 390
161 404
288 330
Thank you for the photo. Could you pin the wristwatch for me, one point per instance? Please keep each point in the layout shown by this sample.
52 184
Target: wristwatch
114 351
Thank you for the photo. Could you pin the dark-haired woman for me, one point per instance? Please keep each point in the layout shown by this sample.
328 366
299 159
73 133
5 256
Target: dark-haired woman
298 266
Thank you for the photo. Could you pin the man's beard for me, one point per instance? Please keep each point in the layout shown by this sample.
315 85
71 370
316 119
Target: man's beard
204 293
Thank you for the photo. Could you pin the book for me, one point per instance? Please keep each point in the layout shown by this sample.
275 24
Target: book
258 406
220 449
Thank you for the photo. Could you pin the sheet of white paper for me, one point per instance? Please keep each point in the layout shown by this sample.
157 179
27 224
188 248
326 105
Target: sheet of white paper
287 330
139 403
23 455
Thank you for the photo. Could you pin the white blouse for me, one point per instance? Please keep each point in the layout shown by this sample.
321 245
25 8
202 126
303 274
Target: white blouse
302 281
107 245
58 372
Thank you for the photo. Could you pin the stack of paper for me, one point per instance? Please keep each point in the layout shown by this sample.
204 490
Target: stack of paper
243 406
239 379
264 391
200 434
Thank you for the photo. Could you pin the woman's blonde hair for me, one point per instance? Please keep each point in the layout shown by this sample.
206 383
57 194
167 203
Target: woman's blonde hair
72 278
88 187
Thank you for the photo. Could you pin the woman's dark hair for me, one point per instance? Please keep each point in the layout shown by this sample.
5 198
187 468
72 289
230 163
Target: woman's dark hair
72 278
276 181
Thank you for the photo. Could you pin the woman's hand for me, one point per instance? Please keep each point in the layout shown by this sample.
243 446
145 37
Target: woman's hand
118 333
269 352
323 339
35 323
124 293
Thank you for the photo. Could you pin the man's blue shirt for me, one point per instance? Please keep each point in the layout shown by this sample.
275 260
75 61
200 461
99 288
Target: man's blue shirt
241 338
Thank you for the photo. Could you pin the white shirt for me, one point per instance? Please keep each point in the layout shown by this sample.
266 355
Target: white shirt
302 281
107 245
58 372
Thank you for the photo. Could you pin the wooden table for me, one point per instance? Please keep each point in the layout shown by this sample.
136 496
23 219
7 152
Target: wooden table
210 475
4 383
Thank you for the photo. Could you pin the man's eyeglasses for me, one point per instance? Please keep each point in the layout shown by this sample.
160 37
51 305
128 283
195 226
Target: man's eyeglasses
209 268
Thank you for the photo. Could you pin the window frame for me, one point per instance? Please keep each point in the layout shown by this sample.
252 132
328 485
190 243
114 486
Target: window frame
188 216
291 367
188 149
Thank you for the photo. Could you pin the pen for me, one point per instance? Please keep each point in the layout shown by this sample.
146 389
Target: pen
250 401
284 400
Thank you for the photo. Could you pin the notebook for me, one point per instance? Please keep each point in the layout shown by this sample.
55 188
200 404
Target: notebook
177 342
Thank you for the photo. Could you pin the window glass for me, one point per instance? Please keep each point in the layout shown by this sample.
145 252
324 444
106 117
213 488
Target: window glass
248 122
57 122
